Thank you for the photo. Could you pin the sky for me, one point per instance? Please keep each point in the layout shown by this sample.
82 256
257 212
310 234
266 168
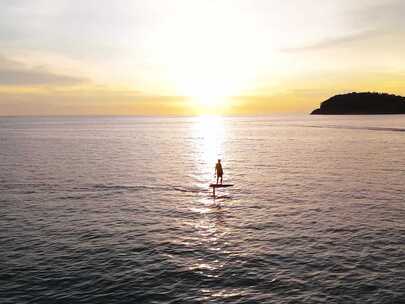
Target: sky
190 57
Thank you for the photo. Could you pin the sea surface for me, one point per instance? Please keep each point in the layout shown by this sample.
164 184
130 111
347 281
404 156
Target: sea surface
118 210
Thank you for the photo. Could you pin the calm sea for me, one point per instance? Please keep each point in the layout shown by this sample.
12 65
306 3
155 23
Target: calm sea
118 210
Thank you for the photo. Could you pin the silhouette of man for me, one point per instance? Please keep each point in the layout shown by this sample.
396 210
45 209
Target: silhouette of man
218 171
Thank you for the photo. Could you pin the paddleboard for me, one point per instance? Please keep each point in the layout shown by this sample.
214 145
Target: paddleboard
220 186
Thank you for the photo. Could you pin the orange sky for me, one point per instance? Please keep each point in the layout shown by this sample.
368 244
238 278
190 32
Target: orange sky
195 57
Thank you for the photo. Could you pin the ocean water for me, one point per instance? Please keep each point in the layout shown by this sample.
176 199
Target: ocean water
118 210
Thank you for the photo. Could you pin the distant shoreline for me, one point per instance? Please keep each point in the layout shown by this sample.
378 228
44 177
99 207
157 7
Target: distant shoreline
362 104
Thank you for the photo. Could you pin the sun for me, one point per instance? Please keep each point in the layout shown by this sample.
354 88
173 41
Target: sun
209 100
207 90
208 62
211 82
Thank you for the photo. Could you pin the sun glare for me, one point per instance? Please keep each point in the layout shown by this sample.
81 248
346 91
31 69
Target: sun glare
208 62
210 132
210 82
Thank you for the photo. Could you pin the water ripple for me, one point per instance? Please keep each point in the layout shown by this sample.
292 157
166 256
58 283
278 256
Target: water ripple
118 210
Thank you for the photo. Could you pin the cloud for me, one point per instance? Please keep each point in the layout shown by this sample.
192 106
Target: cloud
92 100
381 16
367 21
14 73
333 42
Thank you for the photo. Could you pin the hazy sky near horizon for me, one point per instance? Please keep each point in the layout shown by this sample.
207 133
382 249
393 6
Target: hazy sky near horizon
64 57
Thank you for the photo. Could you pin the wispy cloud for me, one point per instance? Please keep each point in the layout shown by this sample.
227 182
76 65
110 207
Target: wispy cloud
364 22
14 73
332 42
388 15
93 100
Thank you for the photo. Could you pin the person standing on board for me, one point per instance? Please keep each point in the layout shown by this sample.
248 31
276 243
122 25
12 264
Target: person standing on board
218 171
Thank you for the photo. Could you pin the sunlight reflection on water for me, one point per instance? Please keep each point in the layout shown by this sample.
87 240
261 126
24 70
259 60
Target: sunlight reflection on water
209 233
210 134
